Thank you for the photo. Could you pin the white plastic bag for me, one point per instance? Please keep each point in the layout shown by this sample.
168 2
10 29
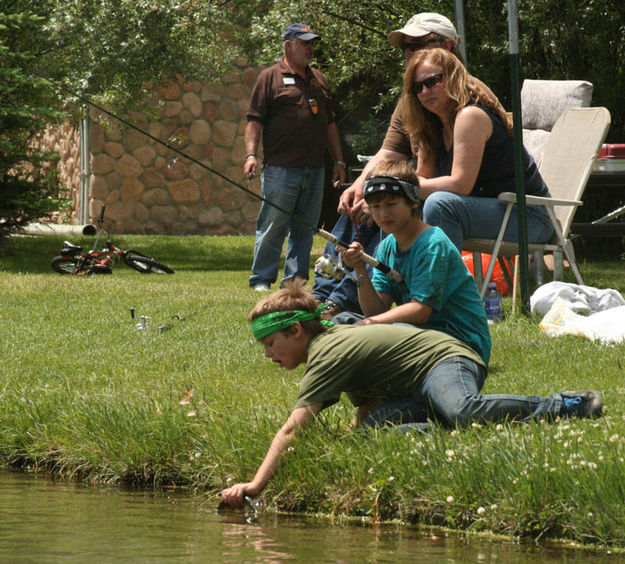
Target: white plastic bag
580 299
605 326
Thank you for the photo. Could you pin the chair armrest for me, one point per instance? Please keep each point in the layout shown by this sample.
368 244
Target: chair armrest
510 198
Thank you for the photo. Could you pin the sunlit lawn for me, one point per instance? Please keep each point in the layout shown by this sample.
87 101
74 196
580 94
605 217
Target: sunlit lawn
85 394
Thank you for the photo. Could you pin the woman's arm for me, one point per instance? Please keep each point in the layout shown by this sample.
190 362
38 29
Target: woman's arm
472 129
351 201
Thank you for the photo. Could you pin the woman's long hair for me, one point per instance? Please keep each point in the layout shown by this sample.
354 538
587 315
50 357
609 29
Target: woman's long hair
461 87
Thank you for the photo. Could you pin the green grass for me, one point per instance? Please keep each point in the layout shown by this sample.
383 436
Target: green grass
85 395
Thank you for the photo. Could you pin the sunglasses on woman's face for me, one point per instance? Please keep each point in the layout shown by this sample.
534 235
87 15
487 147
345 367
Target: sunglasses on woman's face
430 82
419 44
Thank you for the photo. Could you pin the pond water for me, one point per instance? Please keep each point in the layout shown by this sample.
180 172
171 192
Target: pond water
45 521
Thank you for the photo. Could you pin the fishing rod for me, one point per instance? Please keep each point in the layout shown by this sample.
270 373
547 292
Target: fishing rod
322 232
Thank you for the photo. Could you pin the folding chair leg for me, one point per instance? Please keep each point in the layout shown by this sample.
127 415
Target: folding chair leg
478 274
570 255
515 285
558 265
495 251
539 267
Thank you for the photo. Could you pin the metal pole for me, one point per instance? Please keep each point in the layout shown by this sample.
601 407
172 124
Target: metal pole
461 30
513 37
85 169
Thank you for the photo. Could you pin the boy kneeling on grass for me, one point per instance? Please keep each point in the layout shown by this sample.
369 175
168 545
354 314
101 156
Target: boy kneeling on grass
393 374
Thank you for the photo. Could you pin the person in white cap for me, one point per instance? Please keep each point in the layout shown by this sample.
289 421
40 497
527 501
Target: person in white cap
422 31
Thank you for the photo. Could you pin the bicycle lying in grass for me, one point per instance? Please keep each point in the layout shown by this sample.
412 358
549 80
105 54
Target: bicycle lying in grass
73 260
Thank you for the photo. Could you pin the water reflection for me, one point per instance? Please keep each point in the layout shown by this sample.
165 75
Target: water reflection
45 521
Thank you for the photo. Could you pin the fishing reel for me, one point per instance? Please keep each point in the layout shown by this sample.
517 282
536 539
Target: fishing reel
328 267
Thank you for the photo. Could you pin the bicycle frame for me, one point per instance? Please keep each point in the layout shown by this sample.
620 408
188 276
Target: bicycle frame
74 261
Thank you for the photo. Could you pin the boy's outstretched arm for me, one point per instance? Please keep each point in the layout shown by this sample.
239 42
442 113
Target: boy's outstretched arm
298 418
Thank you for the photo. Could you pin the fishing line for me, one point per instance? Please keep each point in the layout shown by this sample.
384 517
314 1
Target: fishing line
322 232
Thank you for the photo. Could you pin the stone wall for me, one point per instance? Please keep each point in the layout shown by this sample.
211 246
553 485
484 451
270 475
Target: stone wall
148 188
65 141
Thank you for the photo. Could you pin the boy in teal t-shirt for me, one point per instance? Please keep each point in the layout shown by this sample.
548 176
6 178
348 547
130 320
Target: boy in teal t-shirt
437 292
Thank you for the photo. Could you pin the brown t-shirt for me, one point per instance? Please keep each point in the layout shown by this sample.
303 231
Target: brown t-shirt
397 138
293 134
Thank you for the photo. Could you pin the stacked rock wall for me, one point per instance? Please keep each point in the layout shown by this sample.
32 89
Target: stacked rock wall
148 188
64 141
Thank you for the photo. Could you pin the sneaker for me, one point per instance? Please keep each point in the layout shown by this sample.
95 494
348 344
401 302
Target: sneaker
260 287
581 404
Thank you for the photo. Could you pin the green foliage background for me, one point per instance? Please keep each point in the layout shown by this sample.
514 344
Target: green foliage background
112 50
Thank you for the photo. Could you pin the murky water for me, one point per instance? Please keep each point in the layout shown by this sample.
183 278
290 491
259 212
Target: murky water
43 521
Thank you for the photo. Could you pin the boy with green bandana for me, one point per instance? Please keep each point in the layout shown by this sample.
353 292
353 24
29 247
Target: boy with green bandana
392 374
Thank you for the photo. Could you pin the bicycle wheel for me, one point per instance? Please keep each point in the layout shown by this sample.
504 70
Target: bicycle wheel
145 264
64 265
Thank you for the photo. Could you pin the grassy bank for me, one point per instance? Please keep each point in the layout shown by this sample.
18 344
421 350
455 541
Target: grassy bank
86 395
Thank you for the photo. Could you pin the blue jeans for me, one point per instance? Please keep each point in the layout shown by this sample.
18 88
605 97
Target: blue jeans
300 192
450 394
467 217
344 292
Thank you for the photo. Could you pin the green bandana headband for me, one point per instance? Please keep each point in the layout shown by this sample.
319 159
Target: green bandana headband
279 320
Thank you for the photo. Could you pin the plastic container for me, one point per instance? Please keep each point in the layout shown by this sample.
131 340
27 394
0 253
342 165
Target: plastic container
611 158
492 304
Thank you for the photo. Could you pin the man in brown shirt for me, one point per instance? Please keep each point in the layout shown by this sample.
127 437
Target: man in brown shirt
290 109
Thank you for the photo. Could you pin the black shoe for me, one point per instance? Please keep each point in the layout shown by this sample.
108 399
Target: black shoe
330 310
590 405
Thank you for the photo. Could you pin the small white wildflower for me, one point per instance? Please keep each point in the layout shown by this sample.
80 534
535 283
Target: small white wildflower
590 515
481 510
613 438
450 499
449 453
370 471
499 427
493 507
592 465
391 478
424 462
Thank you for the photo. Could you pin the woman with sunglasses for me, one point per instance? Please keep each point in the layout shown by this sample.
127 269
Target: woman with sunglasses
465 157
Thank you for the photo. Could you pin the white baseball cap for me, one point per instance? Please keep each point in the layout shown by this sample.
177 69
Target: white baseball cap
424 24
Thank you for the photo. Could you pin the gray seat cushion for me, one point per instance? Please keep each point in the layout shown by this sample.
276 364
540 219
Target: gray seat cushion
543 102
